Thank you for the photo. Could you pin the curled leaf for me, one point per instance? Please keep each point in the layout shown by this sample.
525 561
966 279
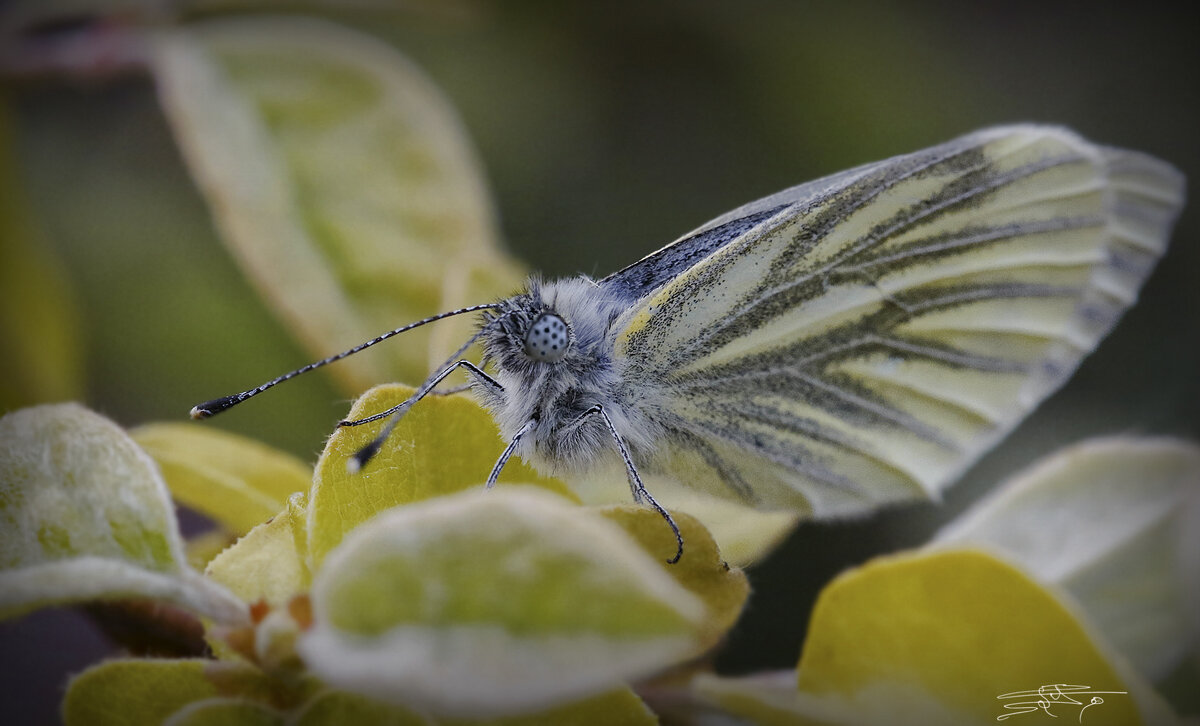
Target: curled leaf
493 603
85 515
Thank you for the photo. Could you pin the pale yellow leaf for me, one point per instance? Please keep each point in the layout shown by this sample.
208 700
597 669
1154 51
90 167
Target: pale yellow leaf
341 180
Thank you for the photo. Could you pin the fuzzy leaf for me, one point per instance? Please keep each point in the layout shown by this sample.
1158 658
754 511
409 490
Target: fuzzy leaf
269 562
225 712
621 707
744 534
1114 522
701 569
202 548
771 699
134 692
335 708
915 637
85 515
445 444
341 180
486 603
236 481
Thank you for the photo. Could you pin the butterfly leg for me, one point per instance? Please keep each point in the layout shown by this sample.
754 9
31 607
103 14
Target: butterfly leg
476 372
636 487
508 452
452 391
478 378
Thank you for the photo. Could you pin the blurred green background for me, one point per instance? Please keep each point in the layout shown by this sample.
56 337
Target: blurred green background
606 131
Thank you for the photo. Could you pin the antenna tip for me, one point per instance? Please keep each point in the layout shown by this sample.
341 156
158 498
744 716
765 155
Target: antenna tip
213 407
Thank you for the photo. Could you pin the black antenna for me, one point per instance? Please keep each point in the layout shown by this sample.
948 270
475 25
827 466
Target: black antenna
366 453
217 405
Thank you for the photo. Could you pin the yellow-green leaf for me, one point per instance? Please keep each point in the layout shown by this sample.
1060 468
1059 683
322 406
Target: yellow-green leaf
269 563
771 699
85 515
959 629
202 548
134 692
341 180
41 357
722 588
621 707
225 712
487 603
445 444
336 708
1115 523
236 481
743 533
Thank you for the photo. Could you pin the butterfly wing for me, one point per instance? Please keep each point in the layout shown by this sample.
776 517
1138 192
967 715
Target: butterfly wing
660 267
865 337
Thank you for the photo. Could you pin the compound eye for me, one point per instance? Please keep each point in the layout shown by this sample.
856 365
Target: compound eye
547 339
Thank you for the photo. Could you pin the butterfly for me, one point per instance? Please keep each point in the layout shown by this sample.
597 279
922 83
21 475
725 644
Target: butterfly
850 342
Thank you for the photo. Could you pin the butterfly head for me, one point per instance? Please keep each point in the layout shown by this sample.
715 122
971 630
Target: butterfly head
552 331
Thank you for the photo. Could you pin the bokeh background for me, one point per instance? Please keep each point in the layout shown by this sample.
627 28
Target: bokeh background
607 130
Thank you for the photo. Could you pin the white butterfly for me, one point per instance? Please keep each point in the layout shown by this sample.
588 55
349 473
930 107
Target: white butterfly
852 341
